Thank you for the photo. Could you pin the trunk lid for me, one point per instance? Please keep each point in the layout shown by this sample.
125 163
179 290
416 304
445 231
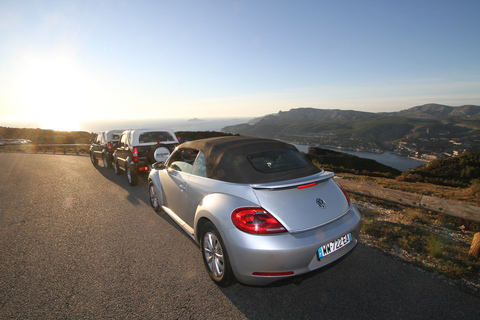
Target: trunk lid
303 204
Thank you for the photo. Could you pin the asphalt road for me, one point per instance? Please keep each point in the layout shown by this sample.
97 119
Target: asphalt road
76 241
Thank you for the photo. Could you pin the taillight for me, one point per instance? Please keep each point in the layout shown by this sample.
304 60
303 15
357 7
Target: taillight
304 186
109 147
344 193
135 154
256 220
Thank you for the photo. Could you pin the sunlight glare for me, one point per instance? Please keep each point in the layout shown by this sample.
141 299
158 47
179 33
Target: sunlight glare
53 92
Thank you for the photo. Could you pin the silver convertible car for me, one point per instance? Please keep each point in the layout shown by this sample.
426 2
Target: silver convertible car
258 209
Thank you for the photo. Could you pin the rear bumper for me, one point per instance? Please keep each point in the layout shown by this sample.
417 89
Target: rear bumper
293 254
140 168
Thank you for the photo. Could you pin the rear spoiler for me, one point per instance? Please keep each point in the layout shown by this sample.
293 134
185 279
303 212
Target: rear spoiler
316 178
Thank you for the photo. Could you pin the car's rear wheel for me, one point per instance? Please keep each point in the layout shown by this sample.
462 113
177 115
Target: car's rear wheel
132 178
116 168
93 159
154 201
215 256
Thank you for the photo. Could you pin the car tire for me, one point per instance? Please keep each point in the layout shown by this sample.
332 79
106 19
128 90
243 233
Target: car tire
132 177
154 201
116 168
107 164
215 256
93 159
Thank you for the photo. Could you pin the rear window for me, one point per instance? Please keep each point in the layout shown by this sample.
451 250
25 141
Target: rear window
155 136
277 161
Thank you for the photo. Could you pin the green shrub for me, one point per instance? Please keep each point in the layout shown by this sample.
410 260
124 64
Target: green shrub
434 247
415 215
372 227
474 189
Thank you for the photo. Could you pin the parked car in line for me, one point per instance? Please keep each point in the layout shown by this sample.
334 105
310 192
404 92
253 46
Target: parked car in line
258 209
104 146
138 149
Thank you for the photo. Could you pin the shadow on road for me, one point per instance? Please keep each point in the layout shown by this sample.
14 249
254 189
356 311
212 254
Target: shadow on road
365 285
137 194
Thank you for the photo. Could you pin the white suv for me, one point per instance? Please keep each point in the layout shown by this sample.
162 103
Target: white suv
138 149
104 146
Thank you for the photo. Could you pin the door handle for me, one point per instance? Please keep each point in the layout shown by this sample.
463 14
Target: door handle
182 187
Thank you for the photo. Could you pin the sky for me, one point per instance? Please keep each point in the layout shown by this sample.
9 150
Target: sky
63 63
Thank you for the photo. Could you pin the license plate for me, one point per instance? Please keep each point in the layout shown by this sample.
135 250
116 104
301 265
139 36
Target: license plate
333 246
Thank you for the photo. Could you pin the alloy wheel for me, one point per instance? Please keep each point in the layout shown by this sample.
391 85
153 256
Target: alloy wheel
129 175
213 254
153 197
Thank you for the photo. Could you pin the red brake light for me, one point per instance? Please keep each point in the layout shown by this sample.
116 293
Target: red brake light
135 154
256 220
109 147
344 193
307 185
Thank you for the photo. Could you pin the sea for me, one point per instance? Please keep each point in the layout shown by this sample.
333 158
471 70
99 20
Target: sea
204 124
397 161
393 160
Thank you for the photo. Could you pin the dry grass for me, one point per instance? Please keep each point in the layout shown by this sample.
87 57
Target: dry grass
428 240
461 195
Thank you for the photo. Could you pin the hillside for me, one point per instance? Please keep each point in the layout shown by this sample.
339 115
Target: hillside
410 129
432 111
461 170
41 136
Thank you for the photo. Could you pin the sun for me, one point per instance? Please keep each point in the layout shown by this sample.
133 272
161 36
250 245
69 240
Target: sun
53 91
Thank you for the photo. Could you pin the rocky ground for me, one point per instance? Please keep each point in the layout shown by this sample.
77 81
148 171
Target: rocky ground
403 233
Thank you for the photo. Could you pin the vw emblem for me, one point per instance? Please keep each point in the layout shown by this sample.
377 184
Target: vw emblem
321 203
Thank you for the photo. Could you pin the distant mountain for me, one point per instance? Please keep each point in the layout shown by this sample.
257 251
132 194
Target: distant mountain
309 114
366 130
432 111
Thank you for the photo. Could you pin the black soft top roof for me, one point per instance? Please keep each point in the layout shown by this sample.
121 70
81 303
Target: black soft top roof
226 159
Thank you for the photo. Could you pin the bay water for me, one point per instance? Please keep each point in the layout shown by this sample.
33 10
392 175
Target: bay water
397 161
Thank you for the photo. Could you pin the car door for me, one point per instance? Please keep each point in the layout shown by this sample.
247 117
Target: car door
120 152
101 145
96 147
197 188
174 180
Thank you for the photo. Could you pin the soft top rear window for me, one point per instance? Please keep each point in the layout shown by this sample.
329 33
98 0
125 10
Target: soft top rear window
276 161
155 136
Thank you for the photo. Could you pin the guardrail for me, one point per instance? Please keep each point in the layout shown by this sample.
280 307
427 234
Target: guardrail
459 210
44 148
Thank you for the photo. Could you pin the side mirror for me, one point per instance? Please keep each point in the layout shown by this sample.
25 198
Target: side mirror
159 165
